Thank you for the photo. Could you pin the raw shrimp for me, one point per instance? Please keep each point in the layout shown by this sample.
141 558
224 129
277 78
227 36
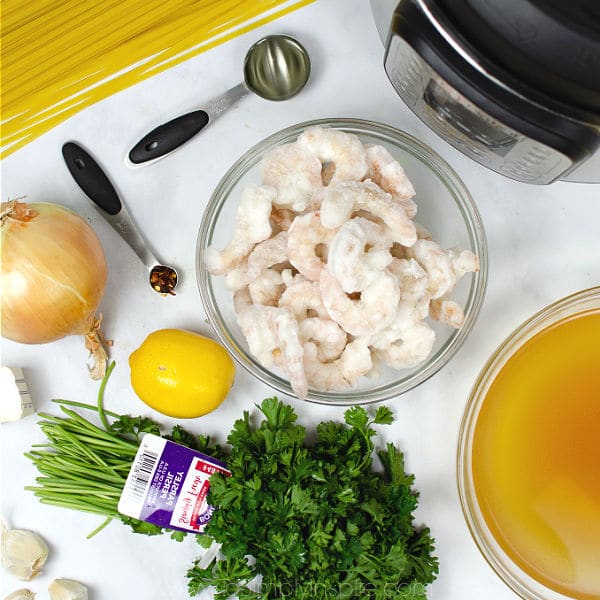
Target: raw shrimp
267 288
406 342
357 254
303 298
411 349
463 261
252 225
294 172
389 175
338 149
374 310
306 237
413 283
329 338
266 254
272 335
405 316
341 373
448 312
342 199
443 267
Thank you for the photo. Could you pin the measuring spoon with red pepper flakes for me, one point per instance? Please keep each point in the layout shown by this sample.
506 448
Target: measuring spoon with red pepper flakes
95 184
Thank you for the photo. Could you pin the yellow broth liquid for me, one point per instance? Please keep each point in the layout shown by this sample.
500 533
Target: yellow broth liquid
536 457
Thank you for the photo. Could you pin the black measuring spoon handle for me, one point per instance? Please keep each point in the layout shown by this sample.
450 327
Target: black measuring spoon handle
168 137
90 177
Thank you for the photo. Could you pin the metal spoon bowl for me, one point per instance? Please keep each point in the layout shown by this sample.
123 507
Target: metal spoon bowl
276 67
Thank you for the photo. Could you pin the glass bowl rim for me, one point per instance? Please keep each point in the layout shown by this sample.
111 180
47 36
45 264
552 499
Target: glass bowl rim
456 189
507 570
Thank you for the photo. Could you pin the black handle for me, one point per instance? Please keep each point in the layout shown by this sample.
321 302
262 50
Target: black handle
91 178
168 136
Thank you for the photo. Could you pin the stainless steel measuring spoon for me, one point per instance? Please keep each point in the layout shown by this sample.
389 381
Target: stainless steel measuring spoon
95 184
276 67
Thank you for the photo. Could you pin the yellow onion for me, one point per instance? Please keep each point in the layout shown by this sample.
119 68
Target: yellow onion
53 277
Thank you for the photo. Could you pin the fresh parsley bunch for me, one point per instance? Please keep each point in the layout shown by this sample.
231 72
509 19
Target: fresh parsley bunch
314 520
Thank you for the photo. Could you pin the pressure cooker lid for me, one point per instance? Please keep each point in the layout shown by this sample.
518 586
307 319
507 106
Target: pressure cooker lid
552 46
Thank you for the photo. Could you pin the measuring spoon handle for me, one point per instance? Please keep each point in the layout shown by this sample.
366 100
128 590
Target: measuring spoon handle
90 177
169 136
95 184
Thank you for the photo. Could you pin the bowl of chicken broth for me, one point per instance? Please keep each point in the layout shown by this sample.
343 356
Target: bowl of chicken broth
341 261
529 454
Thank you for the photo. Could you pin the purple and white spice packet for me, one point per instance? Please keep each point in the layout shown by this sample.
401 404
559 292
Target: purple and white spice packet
168 484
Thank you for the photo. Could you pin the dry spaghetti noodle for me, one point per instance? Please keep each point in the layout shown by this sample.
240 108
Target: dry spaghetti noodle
59 57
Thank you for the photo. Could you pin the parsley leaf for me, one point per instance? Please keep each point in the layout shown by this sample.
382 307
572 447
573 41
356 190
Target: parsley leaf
383 416
127 425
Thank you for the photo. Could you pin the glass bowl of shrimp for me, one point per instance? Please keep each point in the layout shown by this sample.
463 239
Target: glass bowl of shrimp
341 261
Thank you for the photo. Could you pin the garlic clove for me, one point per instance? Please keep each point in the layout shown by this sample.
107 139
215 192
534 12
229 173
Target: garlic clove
21 595
15 401
24 553
67 589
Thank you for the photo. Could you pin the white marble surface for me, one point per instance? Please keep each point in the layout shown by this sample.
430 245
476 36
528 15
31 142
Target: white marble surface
543 244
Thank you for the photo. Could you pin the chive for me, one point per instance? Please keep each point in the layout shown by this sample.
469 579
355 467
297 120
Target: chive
86 406
101 412
99 528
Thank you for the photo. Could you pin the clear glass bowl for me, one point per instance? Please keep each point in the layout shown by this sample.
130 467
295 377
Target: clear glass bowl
445 207
520 582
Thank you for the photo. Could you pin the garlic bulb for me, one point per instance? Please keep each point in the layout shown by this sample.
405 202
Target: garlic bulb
21 595
24 552
67 589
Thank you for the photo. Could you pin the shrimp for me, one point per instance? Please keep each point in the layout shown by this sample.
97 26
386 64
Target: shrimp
448 312
252 225
412 348
372 312
272 336
389 175
267 288
341 200
340 151
356 254
341 373
294 172
303 298
329 338
413 283
463 261
266 254
406 342
306 237
443 267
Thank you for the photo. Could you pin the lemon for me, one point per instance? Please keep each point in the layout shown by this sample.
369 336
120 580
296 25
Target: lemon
180 373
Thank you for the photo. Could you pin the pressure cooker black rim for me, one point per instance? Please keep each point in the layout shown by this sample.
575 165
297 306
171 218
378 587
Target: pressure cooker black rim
551 46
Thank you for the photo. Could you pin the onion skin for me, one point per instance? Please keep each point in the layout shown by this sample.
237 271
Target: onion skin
53 274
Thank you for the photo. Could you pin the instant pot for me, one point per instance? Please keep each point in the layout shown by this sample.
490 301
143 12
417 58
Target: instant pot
513 84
